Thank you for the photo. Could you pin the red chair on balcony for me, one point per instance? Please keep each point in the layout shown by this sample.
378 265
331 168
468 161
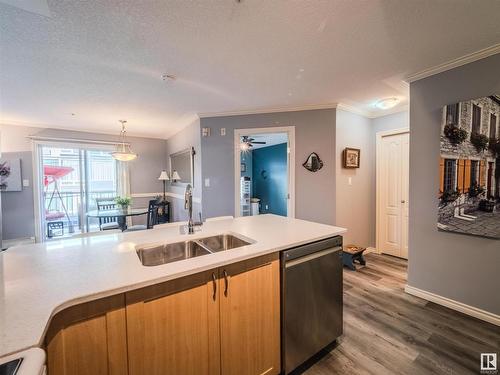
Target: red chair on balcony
51 175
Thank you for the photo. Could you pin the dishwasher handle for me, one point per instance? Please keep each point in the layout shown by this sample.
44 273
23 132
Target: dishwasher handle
307 258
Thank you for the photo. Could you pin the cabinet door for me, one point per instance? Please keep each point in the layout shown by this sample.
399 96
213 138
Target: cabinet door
173 327
250 317
88 339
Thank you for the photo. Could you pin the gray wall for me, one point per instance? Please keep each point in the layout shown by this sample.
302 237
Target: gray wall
355 202
314 131
390 122
144 171
459 267
188 137
17 206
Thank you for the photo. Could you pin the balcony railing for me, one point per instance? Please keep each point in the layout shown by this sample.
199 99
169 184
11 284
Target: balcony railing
73 203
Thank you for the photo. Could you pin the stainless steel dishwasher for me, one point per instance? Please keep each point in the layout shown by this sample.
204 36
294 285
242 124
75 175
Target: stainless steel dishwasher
311 282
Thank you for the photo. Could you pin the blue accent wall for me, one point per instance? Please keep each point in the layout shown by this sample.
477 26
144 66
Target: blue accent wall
270 178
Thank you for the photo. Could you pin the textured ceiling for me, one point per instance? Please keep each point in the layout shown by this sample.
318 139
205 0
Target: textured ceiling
102 59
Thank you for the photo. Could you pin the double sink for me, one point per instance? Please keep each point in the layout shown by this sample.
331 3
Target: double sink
155 255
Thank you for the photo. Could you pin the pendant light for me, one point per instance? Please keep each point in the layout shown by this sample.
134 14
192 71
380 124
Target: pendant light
123 151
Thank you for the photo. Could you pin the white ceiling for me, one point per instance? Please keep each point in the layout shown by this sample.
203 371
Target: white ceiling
103 59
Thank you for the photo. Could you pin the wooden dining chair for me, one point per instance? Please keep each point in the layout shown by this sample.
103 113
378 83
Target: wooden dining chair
107 223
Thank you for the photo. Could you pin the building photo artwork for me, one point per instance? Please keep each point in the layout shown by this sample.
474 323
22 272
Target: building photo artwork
469 193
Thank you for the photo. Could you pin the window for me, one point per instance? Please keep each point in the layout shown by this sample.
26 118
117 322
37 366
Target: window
476 119
474 168
450 168
452 114
493 126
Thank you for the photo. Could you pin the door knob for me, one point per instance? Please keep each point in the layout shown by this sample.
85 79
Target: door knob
403 201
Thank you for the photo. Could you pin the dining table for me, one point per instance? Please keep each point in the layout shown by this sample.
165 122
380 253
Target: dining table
120 214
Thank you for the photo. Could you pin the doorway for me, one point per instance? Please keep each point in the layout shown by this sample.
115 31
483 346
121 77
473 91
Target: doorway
264 172
392 172
70 179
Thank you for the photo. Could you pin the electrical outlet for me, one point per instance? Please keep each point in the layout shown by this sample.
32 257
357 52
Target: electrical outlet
26 183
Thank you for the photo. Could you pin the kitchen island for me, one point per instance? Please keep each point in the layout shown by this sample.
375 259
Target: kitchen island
39 281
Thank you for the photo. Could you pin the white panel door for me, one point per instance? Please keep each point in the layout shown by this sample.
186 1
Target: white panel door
393 194
405 192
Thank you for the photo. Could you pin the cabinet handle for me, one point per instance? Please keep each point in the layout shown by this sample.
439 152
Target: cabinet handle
226 282
214 281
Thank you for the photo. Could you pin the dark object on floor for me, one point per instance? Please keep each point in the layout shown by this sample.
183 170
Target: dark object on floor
486 205
55 229
353 253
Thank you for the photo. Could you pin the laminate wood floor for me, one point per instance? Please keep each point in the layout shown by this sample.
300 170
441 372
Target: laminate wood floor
387 331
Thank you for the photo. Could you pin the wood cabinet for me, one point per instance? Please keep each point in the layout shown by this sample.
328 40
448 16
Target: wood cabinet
250 317
223 321
173 328
89 339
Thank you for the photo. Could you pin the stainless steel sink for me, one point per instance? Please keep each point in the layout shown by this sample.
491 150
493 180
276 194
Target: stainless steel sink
223 242
155 255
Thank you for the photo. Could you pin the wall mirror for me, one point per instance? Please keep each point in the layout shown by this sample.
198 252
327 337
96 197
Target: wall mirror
182 162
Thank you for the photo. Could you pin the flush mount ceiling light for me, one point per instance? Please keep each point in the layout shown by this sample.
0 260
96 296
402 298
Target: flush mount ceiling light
123 151
387 103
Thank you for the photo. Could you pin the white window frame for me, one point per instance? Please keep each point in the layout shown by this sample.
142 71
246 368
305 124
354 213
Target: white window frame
36 145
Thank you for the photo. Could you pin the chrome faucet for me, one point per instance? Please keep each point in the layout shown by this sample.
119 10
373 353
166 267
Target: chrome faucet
188 205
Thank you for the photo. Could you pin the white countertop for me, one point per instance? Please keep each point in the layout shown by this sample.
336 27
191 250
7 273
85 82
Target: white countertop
38 280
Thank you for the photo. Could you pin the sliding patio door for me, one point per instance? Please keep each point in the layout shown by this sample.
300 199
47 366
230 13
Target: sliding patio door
70 179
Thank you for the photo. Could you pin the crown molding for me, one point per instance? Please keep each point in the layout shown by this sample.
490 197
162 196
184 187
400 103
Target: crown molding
341 106
44 126
372 114
352 109
471 57
387 112
256 111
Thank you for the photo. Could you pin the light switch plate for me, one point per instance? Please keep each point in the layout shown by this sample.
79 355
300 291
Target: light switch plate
26 183
222 131
207 182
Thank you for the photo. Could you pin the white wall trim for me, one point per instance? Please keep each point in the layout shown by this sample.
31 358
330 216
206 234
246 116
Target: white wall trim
342 106
307 107
168 194
471 57
454 305
372 114
290 130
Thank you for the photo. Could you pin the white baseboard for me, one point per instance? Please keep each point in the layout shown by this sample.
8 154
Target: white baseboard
370 250
454 305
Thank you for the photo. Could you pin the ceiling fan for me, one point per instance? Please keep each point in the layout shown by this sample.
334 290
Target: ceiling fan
247 142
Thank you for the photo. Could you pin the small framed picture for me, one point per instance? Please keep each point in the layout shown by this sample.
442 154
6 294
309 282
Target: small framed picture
243 167
351 157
